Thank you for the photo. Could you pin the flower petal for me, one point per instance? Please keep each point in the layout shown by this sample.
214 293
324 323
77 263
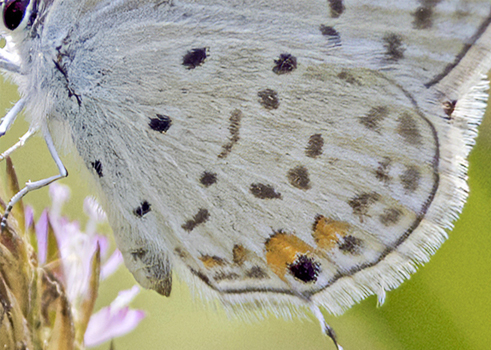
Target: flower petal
59 195
94 210
124 298
42 237
106 325
112 264
29 213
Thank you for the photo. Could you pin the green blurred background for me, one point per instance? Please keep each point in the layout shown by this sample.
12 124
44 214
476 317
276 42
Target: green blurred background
446 305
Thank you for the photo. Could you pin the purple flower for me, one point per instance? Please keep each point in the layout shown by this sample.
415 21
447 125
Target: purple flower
114 320
76 248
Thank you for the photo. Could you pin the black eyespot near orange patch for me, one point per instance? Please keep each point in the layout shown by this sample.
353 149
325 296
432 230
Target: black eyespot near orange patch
305 269
284 251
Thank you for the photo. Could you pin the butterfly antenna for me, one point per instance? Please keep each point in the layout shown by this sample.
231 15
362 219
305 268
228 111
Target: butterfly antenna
326 329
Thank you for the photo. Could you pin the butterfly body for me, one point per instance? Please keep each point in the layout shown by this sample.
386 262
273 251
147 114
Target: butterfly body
272 153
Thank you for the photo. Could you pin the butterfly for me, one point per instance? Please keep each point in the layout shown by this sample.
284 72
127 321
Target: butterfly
278 154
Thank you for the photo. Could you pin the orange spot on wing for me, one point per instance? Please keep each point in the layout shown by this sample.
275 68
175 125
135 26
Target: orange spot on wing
282 250
327 232
239 254
212 261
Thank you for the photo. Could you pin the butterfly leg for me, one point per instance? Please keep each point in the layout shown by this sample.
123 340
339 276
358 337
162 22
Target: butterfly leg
30 186
9 119
326 329
19 144
8 65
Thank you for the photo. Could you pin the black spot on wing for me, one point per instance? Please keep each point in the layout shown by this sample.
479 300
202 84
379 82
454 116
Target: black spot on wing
207 178
97 165
314 146
194 58
160 123
337 8
200 218
268 99
286 63
234 128
262 191
305 269
394 48
299 177
143 209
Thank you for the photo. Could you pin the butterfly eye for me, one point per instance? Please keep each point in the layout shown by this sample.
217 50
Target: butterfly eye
14 12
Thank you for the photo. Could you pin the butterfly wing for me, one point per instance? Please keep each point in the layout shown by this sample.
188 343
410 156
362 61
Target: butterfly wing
308 151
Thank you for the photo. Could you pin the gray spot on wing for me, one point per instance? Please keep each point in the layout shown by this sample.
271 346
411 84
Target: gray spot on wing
229 276
200 218
361 203
348 77
391 216
374 117
337 8
256 272
382 172
394 48
299 177
234 128
350 245
408 129
314 147
410 178
332 35
262 191
268 99
424 14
